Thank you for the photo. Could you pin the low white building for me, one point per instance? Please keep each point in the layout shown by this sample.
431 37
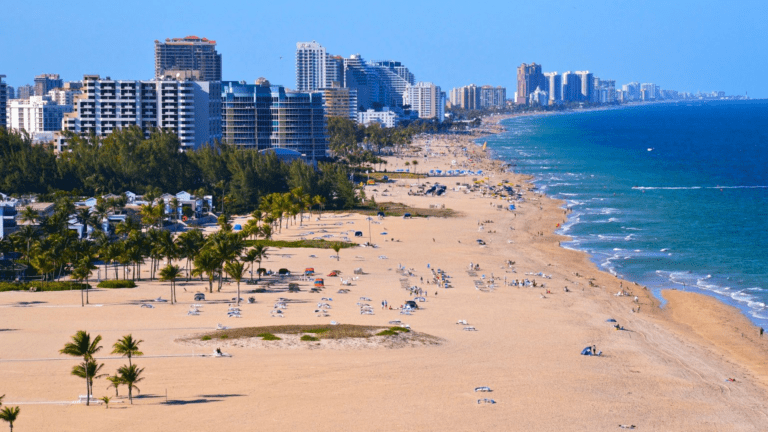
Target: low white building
386 117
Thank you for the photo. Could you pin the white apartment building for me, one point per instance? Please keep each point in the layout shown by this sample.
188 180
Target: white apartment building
190 109
63 96
35 115
385 118
310 66
426 98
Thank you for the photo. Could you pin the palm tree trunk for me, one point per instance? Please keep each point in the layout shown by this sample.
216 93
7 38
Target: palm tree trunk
238 292
87 385
87 299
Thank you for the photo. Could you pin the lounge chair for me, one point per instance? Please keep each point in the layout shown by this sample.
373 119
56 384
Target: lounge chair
147 305
365 299
221 327
193 312
395 322
334 323
160 300
483 389
462 322
470 328
486 401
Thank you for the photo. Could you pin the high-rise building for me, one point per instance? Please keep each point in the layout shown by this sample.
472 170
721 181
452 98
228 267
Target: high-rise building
394 77
10 92
357 76
493 97
632 91
298 122
587 86
46 82
262 116
188 57
427 99
554 86
63 96
190 109
311 66
528 78
25 91
334 71
648 91
607 91
36 115
340 102
3 101
538 97
467 97
571 87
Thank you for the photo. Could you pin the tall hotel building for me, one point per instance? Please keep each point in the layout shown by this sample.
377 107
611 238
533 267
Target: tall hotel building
529 77
554 85
427 99
188 57
190 109
587 82
493 97
311 69
262 116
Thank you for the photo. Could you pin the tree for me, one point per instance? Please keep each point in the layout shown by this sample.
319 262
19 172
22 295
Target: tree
88 370
114 381
106 400
259 254
127 347
10 414
83 271
130 375
29 215
82 346
206 262
189 245
236 270
336 246
171 273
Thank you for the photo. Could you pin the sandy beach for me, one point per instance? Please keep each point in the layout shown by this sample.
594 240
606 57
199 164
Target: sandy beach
667 370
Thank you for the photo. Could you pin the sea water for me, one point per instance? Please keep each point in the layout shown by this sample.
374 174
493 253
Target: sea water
665 195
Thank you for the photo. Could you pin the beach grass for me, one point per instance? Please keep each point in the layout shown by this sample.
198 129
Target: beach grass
400 209
341 331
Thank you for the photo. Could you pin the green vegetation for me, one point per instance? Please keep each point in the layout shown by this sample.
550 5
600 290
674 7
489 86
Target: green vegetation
40 286
341 331
393 331
268 337
117 284
319 330
308 338
205 338
224 336
399 209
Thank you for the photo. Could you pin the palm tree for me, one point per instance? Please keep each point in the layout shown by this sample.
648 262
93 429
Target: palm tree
112 254
319 201
225 247
89 371
114 381
106 400
29 215
236 270
336 246
85 217
130 375
206 262
166 246
82 346
10 414
171 273
127 347
83 271
189 245
260 253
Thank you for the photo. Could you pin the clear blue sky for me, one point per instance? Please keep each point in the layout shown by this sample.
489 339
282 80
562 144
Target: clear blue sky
678 44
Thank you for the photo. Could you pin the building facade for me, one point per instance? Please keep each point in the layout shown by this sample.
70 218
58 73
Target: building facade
310 66
554 86
427 99
47 82
587 86
25 91
262 116
189 57
467 97
35 115
340 102
190 109
571 87
493 97
528 78
3 101
386 118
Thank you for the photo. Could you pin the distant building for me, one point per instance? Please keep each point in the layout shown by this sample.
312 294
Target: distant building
36 115
554 86
63 96
10 92
385 117
427 99
529 77
607 91
571 87
467 97
311 66
587 86
3 101
340 102
632 91
25 91
493 97
648 91
190 109
189 57
263 116
538 97
47 82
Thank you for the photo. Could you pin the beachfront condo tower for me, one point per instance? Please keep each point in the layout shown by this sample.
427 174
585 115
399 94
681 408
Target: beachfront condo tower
188 57
529 77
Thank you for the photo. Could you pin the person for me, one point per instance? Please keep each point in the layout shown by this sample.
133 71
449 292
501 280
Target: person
761 331
218 351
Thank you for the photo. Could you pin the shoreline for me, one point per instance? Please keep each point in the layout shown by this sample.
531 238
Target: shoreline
741 307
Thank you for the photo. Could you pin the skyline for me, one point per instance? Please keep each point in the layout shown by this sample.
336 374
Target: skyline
659 43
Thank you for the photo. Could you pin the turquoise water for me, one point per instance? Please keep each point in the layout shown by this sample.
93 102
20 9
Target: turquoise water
668 196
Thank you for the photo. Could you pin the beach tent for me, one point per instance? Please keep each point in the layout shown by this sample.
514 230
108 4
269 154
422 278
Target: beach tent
411 304
319 283
358 233
238 227
199 297
407 216
587 351
309 271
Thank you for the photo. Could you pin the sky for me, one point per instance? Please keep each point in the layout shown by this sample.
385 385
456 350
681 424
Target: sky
681 45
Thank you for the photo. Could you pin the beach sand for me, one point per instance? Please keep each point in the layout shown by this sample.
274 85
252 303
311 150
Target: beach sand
667 371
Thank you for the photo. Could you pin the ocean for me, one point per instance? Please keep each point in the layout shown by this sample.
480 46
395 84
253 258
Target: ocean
665 195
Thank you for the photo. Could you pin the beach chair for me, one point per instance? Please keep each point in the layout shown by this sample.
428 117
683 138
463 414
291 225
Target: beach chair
486 401
483 389
462 322
470 328
334 323
148 306
395 322
221 327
